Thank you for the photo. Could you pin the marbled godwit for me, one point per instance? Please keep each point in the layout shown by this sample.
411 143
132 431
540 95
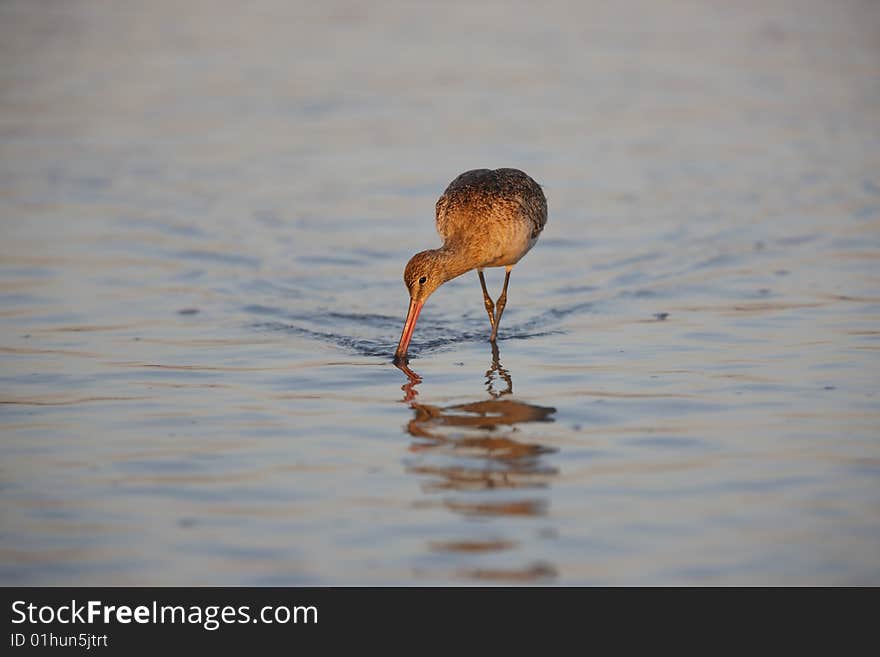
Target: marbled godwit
486 219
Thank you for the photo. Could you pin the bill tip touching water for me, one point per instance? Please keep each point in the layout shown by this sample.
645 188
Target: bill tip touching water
486 218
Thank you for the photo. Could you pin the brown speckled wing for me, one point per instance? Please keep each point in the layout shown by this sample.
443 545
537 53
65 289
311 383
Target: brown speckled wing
484 195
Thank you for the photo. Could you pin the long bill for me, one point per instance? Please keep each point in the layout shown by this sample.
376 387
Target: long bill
415 307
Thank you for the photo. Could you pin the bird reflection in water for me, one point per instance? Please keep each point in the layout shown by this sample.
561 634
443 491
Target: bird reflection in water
475 456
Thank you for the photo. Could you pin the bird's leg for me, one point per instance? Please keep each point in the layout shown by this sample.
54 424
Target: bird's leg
499 305
490 307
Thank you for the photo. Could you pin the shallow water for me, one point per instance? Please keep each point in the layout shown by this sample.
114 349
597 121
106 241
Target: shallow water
205 218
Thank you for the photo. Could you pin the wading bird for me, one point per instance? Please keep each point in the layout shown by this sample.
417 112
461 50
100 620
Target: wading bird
486 219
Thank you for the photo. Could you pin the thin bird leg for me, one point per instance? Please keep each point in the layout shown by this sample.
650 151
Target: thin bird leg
499 305
490 307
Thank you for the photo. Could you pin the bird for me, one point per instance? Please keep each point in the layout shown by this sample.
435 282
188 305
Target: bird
486 218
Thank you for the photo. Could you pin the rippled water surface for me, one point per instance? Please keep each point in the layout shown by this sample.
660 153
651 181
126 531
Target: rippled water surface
205 214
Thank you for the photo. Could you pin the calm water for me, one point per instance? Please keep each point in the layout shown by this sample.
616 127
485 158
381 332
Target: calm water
205 218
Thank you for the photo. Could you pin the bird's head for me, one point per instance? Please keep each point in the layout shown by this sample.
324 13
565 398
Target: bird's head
424 273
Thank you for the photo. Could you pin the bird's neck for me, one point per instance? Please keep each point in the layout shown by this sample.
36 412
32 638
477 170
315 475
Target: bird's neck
452 261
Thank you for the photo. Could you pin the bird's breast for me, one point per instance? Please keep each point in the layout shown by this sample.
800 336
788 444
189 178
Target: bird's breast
503 247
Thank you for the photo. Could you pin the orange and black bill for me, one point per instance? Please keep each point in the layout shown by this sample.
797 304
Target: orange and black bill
415 307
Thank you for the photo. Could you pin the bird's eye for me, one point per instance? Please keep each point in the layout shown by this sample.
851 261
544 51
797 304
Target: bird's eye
423 280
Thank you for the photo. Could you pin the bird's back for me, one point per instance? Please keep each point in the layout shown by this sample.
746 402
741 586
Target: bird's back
491 200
